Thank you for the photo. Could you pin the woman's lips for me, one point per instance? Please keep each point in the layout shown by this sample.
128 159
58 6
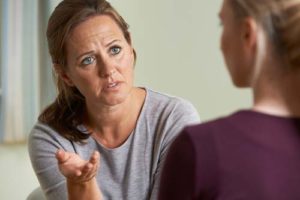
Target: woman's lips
112 85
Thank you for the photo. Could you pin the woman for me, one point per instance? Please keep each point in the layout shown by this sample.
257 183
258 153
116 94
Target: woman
102 138
254 153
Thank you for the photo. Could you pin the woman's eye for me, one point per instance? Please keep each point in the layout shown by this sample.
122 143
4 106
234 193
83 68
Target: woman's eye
87 61
115 50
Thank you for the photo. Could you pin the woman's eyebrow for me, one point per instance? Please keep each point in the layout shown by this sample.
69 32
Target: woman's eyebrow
85 53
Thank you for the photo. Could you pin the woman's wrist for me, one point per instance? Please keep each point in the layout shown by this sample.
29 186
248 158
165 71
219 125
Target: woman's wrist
83 190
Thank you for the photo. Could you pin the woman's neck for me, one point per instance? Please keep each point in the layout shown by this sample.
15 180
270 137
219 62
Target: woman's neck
278 93
112 125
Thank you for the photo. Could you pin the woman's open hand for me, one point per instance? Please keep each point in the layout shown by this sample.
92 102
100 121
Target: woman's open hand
74 168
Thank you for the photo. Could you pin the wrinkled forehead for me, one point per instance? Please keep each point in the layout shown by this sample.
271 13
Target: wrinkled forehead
101 27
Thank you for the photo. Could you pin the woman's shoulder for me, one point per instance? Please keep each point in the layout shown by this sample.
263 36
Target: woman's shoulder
167 102
218 126
42 128
43 132
44 138
164 97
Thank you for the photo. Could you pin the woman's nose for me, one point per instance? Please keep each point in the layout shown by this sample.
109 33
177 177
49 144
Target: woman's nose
106 70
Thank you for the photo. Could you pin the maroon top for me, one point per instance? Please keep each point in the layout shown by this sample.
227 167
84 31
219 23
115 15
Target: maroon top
247 156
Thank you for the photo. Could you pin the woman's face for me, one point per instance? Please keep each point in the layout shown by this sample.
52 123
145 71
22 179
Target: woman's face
100 61
232 46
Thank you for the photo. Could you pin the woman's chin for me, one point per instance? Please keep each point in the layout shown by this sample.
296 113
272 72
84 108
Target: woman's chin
115 99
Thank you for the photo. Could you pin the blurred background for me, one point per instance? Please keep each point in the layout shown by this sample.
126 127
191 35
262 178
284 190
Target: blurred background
177 45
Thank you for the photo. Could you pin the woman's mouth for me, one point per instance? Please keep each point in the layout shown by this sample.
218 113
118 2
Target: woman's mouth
112 85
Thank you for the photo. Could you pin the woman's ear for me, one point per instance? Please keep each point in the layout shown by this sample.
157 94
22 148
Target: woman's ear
249 33
62 74
254 46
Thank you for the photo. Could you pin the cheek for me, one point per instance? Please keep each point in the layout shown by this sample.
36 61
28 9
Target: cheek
130 58
127 66
224 42
225 47
128 73
82 80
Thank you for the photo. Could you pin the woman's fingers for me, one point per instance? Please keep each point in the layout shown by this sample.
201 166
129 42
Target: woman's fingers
93 163
61 156
95 157
75 168
90 169
78 173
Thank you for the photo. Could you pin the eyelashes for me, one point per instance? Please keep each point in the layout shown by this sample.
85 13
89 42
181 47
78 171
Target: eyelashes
115 50
88 60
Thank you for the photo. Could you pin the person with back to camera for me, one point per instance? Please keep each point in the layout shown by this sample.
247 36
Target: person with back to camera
253 153
102 138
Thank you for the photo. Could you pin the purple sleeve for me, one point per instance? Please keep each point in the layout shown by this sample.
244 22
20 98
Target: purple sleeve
191 170
178 176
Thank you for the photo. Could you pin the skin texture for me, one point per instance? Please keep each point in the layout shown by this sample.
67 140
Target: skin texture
98 57
100 64
80 175
76 169
238 46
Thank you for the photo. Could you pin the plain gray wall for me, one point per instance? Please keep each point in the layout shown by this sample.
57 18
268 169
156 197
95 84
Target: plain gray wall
177 44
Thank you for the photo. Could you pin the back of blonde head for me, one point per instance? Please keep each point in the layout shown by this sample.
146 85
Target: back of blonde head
281 21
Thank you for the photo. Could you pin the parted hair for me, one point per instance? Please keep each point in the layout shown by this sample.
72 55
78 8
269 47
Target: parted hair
280 20
65 114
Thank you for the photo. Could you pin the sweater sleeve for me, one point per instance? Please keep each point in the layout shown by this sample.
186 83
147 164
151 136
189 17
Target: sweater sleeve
42 146
191 170
177 179
182 114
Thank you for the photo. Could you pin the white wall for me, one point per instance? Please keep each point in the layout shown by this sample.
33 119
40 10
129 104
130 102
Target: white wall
177 44
17 177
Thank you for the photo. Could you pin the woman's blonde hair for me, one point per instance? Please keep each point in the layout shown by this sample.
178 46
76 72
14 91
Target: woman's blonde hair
281 21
